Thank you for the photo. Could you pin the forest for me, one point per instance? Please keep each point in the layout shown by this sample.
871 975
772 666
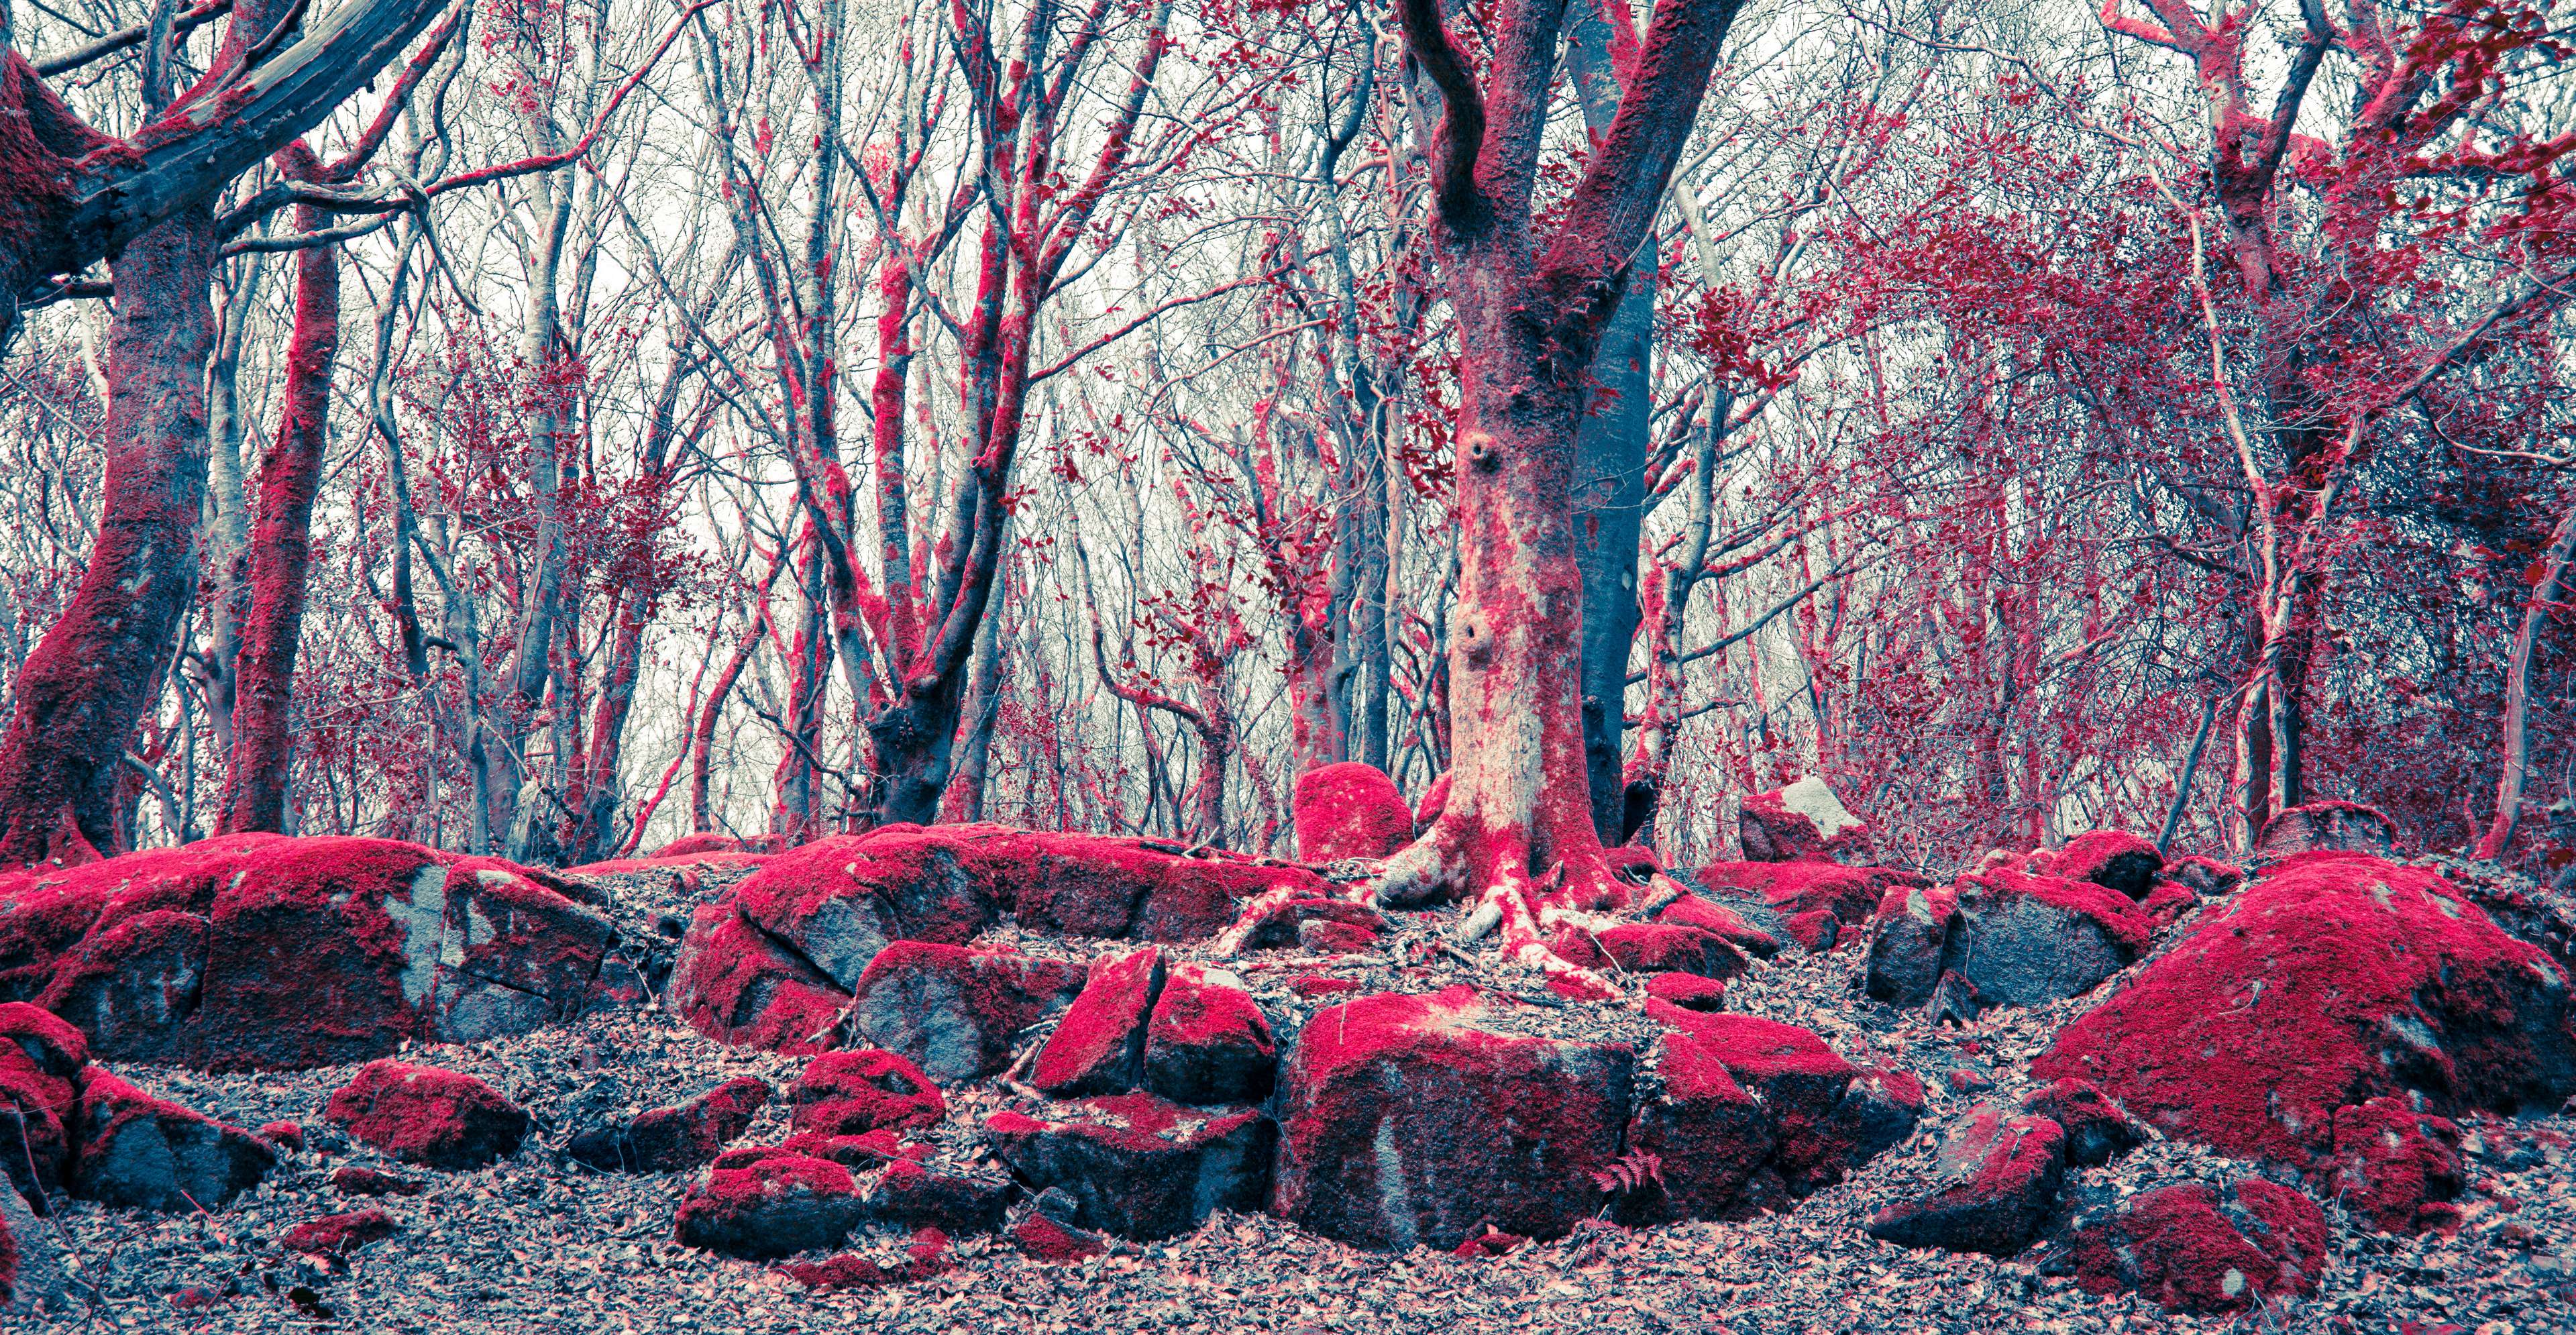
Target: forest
1566 497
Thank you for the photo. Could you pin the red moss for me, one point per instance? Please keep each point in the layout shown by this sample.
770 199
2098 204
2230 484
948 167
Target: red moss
2337 979
1774 831
135 1149
284 1135
338 1234
1818 930
2097 1130
1710 1134
1349 810
2395 1168
354 1180
924 1257
1435 799
1688 991
2190 1247
1738 930
776 1205
1993 1180
1137 1164
1324 985
1042 1238
2113 859
1207 1041
425 1115
853 1093
1850 893
1666 947
1098 1046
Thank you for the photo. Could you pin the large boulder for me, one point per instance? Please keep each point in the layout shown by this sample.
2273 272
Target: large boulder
2337 979
2027 940
1423 1119
778 1204
854 1093
144 1152
1710 1136
427 1115
774 961
954 1012
1207 1040
1672 947
257 951
1139 1165
1993 1180
1909 942
1827 1115
2197 1247
1349 810
1803 822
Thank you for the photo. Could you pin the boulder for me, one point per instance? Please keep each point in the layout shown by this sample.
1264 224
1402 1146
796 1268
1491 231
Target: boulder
1207 1041
425 1115
337 1235
854 1093
915 1196
2335 827
1042 1236
41 1060
1816 930
2097 1131
1098 1047
776 1205
1349 810
33 1278
2396 1168
955 1012
359 1180
674 1139
1295 922
776 959
1803 822
1412 1119
924 1257
1671 947
2027 940
1828 1116
1709 1135
2336 979
1736 922
2112 859
1993 1180
257 951
1909 938
1788 889
2198 1247
142 1152
1139 1165
2205 878
1687 991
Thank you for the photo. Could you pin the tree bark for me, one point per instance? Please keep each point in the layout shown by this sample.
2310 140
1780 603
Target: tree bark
2514 754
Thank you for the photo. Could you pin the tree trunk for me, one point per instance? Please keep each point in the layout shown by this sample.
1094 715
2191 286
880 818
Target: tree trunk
280 555
89 681
229 554
2515 754
963 800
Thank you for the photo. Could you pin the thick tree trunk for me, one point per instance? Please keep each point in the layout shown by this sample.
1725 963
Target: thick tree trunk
280 554
89 681
2514 755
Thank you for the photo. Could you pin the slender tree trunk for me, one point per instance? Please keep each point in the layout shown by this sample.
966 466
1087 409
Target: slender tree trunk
2514 755
229 552
963 801
702 746
280 558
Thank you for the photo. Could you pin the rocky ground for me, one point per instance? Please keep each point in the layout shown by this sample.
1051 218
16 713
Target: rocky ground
536 1242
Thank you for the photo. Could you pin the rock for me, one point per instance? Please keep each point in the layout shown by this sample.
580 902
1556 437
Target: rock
777 1205
924 1257
2205 878
1730 921
1293 922
2337 978
706 841
1787 889
1993 1180
284 1135
675 1139
2169 902
1818 930
33 1279
336 1235
1877 1112
1098 1047
1909 937
2336 827
426 1115
954 1012
2396 1169
147 1153
1349 810
1828 1116
853 1093
257 952
1043 1237
1139 1165
1668 947
1803 822
41 1059
1690 992
1334 938
2097 1131
2193 1247
2112 859
1207 1041
1141 889
908 1193
358 1180
1709 1134
1421 1119
2035 939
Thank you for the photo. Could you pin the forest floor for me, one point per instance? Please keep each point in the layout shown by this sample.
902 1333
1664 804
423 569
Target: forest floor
537 1243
